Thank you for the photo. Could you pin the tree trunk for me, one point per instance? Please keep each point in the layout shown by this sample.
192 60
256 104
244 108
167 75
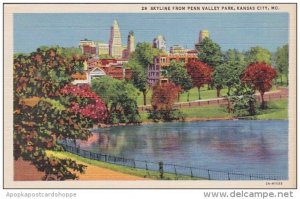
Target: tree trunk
228 105
188 96
287 79
263 106
199 93
75 143
281 80
228 91
218 92
212 84
178 96
145 99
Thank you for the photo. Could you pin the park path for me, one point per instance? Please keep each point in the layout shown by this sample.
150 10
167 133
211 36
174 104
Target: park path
24 171
281 93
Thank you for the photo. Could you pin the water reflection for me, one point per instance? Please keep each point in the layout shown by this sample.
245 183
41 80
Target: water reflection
247 146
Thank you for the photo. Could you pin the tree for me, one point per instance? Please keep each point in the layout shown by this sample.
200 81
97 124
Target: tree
139 80
259 76
67 52
162 101
178 75
243 101
105 56
229 73
83 100
144 54
219 78
139 61
120 99
200 74
258 54
45 115
282 61
210 53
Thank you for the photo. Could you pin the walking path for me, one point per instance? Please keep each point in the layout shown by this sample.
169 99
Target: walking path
24 171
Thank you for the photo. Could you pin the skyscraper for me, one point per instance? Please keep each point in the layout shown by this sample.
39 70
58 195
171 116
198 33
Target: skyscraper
160 42
130 42
202 35
115 43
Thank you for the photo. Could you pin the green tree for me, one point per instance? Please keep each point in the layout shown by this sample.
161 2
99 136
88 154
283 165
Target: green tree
139 79
229 73
177 73
105 56
282 61
243 101
67 52
139 61
210 53
258 54
119 97
144 54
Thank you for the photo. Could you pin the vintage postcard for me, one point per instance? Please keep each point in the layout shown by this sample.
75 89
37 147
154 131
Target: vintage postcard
149 95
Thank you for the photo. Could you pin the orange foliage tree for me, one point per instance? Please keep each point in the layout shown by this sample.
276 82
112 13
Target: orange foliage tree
163 98
259 76
200 74
47 109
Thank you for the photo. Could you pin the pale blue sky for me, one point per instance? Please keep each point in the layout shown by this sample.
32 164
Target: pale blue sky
230 30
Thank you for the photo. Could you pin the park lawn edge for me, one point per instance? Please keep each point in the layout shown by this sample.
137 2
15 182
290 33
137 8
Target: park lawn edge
147 174
278 110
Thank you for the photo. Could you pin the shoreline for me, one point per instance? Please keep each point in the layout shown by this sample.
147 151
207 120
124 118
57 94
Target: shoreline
191 119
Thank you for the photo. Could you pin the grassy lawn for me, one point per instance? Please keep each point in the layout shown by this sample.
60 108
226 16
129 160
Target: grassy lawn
122 169
197 112
204 92
205 112
278 80
277 110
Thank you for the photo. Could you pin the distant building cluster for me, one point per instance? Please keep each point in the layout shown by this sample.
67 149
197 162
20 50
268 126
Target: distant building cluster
109 58
157 70
113 48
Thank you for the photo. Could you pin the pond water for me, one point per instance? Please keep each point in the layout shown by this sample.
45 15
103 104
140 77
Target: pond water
247 146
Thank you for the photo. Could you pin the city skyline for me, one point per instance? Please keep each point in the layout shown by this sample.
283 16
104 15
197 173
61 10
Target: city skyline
230 30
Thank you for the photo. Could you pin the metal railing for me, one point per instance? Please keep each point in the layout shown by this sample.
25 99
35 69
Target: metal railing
166 168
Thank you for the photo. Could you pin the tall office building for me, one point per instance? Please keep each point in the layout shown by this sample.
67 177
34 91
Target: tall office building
202 35
87 46
115 42
103 49
130 42
160 43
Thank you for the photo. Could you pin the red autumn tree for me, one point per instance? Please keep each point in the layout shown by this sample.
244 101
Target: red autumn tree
92 106
48 109
259 76
200 74
164 96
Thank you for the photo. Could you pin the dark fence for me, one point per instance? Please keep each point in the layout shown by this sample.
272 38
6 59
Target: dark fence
166 168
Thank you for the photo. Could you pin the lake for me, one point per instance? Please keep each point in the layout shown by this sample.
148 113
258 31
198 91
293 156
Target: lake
246 146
